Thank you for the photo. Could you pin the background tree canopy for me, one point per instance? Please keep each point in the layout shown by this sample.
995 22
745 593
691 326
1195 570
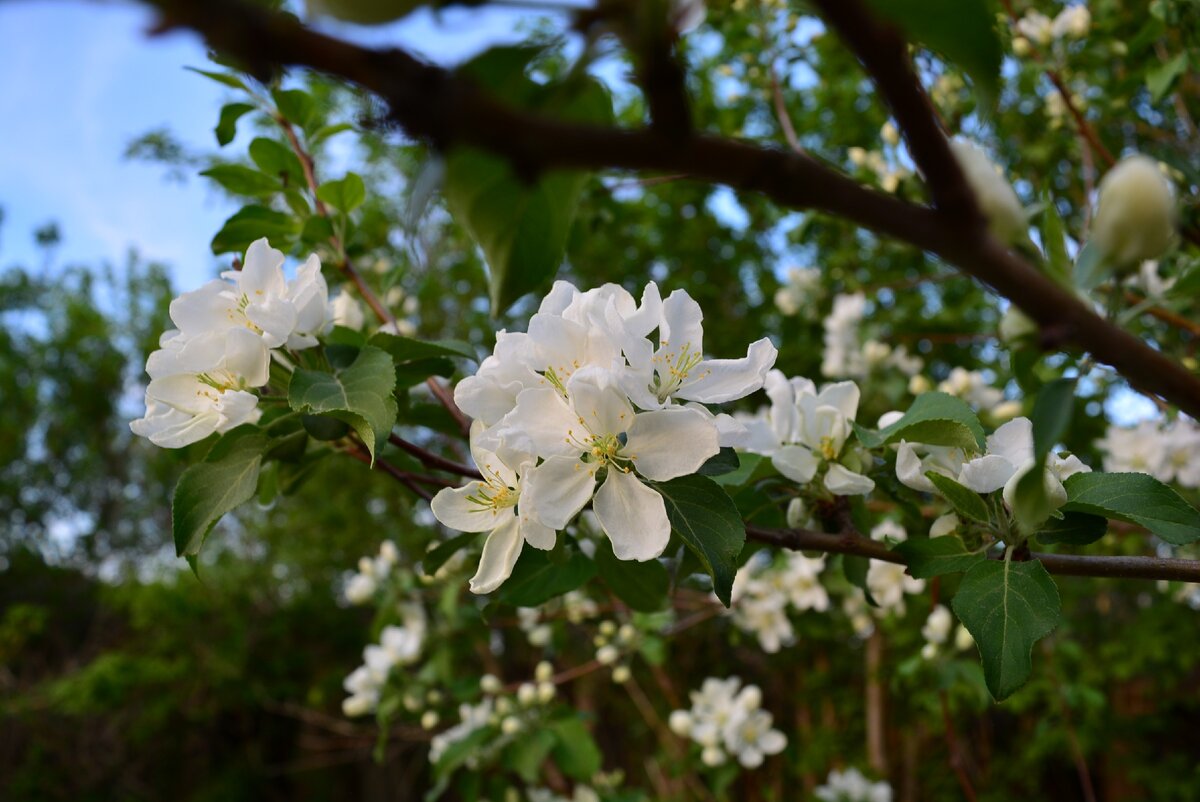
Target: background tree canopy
833 176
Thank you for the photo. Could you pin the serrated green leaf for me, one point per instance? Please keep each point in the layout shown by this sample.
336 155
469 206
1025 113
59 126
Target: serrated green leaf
723 462
575 753
295 105
408 349
748 465
436 557
226 128
242 180
1162 77
935 419
521 225
278 160
360 394
934 556
965 501
345 194
221 78
964 31
1073 529
251 223
536 580
1007 607
709 523
1135 498
641 585
226 478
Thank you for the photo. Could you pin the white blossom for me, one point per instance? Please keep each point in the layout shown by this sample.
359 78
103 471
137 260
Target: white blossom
851 786
1009 456
727 719
1072 22
1136 213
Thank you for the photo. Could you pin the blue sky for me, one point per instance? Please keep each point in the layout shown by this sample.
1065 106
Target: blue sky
82 80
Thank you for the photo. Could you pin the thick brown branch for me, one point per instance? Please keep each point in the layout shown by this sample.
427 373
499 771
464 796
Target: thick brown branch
1060 564
445 109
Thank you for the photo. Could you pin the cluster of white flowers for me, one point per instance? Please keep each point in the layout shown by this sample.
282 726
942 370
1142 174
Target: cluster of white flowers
363 584
764 589
851 786
1009 456
203 374
974 388
937 630
471 718
613 641
805 432
888 582
576 607
398 646
795 296
1073 22
585 404
846 355
510 713
728 719
1170 452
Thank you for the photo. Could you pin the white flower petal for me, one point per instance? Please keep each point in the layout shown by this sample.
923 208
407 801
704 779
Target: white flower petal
540 423
557 489
796 463
986 474
633 516
910 470
536 533
500 553
842 481
667 443
1013 441
262 271
682 324
596 399
720 380
451 507
843 396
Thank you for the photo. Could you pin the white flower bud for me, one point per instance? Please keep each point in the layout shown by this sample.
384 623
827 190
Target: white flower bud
503 705
526 694
858 156
797 514
1020 46
1072 22
712 756
621 674
608 628
919 384
607 655
490 684
360 589
999 204
388 552
511 725
963 639
411 702
751 697
434 697
890 134
1136 214
929 651
1006 410
366 566
627 633
1016 326
429 719
358 705
543 672
680 723
546 691
945 525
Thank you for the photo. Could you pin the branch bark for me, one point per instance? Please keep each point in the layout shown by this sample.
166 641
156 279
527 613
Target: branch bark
444 109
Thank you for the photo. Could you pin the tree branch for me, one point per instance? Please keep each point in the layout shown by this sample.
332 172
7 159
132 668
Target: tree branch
444 109
1098 566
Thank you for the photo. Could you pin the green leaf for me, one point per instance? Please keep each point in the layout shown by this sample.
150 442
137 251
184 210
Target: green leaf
407 349
520 222
935 419
277 159
529 752
251 223
360 394
709 523
933 556
1054 241
344 194
747 465
725 461
575 753
641 585
296 105
370 12
1162 77
326 131
226 128
436 557
855 569
1135 498
227 477
536 580
1073 529
1007 607
1091 267
409 374
242 180
965 501
964 31
221 78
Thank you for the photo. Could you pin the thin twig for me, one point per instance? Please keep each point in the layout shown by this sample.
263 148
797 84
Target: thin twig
431 460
